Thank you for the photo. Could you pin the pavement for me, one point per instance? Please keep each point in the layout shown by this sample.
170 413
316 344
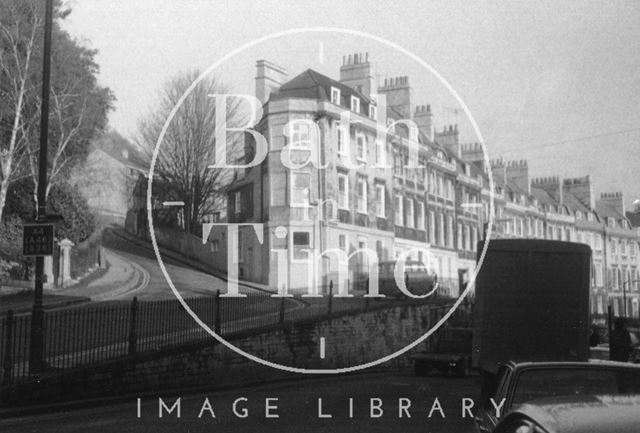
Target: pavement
22 302
292 406
122 276
118 278
127 273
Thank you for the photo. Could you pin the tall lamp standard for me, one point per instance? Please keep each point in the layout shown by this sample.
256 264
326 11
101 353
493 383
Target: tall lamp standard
624 295
36 347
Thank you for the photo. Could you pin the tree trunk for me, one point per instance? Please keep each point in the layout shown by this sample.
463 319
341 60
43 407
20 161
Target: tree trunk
4 186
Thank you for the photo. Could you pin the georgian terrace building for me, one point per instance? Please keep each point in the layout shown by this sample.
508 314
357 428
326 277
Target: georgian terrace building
400 194
421 194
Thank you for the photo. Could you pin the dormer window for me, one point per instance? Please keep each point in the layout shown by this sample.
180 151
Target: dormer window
335 96
579 216
372 112
355 104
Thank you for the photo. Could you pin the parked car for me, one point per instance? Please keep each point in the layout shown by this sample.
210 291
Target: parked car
416 277
635 355
575 414
452 353
520 383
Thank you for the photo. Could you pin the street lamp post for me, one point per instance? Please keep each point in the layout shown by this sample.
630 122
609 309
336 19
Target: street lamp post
36 347
624 295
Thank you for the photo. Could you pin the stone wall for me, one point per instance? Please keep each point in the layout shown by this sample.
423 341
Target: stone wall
214 366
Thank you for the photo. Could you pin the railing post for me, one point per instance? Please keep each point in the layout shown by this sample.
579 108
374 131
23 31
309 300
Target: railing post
609 325
8 355
133 337
217 322
330 297
282 308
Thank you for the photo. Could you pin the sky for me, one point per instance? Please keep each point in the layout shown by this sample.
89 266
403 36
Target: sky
555 83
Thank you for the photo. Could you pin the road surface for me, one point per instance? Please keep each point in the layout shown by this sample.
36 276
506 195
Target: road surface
188 281
296 403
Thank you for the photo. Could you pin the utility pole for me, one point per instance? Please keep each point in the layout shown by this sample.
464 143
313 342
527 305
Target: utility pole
36 360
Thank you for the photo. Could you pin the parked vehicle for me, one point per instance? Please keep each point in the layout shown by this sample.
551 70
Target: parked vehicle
519 383
531 328
575 414
416 277
532 303
452 354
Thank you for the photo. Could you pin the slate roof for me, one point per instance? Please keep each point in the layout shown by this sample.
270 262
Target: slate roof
607 211
543 196
121 150
573 203
634 218
311 84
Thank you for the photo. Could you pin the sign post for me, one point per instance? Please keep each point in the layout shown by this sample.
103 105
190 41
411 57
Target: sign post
36 346
37 240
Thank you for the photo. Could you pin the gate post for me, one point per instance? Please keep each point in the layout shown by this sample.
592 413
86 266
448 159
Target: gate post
217 322
133 337
8 356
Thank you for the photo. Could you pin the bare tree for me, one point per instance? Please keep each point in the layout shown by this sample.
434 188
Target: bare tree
67 128
77 113
79 105
188 148
19 27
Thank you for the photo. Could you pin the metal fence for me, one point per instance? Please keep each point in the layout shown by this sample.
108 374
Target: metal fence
100 332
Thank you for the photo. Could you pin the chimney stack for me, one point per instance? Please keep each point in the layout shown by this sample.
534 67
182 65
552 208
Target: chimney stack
269 78
398 94
450 138
355 72
582 189
614 200
552 185
518 173
424 119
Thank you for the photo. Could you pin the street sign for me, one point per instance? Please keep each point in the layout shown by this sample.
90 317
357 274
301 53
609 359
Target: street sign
37 240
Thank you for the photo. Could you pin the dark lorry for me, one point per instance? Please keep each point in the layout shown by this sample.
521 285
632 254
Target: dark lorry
531 302
531 314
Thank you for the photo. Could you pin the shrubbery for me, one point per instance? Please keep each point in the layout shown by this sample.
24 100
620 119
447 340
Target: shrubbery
78 225
79 222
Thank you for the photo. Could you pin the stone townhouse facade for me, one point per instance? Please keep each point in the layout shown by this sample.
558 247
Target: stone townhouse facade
411 191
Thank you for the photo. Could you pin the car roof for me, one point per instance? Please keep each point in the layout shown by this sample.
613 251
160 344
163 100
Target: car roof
584 413
592 363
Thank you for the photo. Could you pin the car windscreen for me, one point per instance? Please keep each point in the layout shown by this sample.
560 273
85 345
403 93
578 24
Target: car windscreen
541 383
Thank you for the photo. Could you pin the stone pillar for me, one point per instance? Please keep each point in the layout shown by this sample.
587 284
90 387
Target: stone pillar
48 272
101 259
65 261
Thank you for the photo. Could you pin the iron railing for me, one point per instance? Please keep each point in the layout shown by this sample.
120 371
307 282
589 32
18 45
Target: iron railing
94 333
